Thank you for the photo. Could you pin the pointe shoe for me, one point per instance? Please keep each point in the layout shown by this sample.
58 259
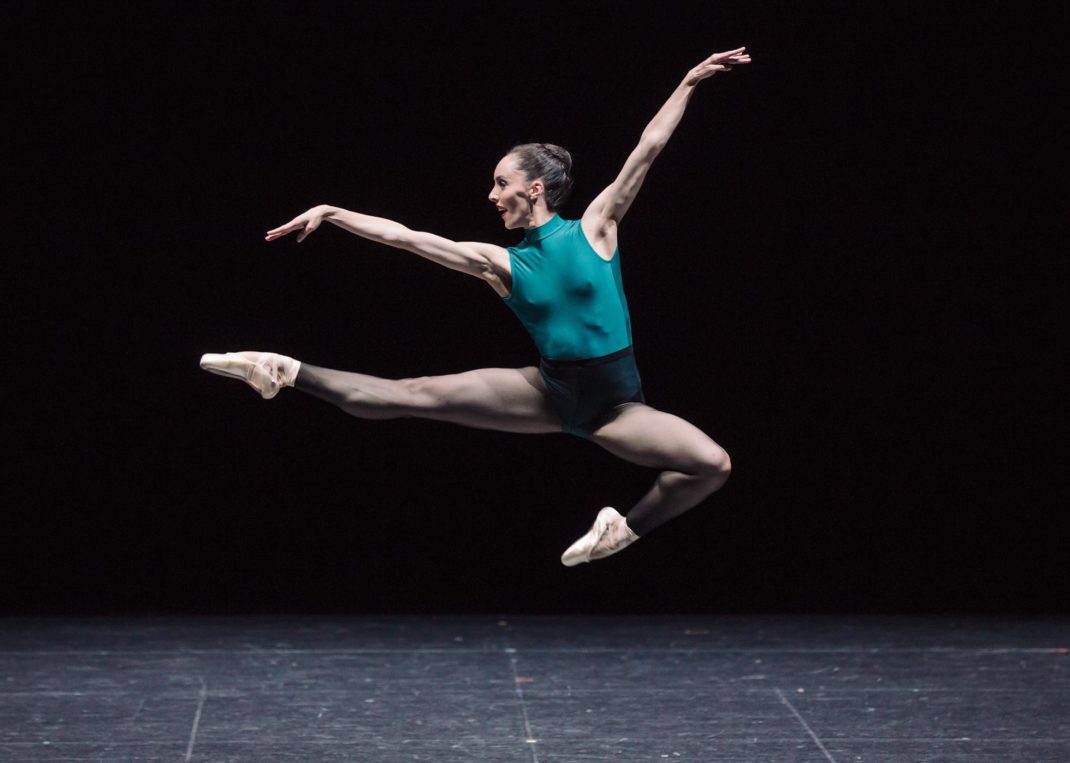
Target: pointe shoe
266 372
608 535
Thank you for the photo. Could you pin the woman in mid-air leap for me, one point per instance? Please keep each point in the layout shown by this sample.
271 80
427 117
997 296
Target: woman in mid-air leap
563 281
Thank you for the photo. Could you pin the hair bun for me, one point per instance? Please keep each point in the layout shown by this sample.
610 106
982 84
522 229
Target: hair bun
551 163
560 154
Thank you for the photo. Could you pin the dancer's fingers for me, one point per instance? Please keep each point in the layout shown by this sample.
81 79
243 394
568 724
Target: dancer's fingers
283 230
725 54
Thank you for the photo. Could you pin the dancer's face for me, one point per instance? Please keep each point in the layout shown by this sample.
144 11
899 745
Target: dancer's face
512 193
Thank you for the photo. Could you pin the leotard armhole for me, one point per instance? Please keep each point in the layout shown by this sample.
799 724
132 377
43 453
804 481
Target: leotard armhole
512 274
583 235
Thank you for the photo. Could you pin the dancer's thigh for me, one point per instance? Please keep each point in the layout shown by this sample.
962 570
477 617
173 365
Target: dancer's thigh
506 399
649 437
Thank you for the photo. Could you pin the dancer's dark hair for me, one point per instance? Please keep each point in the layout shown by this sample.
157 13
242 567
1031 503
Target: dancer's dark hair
551 163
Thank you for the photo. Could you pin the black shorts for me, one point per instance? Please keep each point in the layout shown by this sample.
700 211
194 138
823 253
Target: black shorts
586 392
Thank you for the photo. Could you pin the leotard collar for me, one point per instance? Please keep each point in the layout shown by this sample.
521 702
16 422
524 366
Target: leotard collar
548 228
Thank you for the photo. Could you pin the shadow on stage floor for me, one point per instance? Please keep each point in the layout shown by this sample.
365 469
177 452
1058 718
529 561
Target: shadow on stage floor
518 688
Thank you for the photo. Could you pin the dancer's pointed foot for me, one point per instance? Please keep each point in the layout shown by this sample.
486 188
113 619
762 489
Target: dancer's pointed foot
266 372
608 535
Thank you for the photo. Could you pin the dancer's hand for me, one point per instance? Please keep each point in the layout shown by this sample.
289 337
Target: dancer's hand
718 62
306 223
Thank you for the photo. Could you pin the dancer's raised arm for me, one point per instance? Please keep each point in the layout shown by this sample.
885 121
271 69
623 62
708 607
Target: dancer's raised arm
484 261
610 206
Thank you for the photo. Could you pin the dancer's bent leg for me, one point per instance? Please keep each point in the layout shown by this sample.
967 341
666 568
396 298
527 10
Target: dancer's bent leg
695 466
505 399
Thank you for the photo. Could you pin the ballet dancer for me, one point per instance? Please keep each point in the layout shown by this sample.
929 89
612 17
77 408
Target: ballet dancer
563 281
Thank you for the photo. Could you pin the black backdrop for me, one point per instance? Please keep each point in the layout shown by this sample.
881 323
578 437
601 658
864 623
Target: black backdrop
838 268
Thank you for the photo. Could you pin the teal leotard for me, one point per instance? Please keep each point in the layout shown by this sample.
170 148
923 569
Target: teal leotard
572 303
569 299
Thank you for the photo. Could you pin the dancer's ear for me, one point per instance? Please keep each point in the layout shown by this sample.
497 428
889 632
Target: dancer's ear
535 191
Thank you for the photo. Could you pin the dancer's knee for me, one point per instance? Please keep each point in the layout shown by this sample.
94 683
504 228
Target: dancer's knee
423 394
712 462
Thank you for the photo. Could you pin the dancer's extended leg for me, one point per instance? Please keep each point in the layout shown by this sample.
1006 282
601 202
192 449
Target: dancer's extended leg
695 465
506 399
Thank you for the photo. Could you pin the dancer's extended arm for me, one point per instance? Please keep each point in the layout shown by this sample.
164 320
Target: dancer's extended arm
485 261
611 205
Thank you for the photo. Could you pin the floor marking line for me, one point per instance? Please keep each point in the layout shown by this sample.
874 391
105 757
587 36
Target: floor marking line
201 697
805 725
519 689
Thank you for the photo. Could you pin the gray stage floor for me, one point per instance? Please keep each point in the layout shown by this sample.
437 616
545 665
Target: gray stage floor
535 689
